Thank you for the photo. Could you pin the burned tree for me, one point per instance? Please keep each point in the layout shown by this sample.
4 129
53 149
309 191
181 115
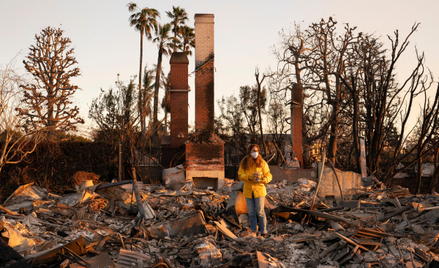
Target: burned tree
277 116
328 61
260 93
352 90
292 57
15 143
388 103
114 113
316 59
231 123
47 101
240 116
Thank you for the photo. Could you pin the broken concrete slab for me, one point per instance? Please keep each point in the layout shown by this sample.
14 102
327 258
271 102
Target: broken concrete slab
349 182
174 178
191 225
290 174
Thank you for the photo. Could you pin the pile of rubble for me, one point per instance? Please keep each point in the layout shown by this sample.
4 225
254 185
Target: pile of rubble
103 225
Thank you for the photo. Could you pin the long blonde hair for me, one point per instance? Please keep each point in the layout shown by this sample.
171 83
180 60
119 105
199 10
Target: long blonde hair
248 160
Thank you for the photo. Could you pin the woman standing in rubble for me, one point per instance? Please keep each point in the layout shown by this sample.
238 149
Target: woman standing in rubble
255 173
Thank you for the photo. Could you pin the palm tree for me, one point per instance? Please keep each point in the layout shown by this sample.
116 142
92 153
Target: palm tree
144 20
188 37
179 17
164 45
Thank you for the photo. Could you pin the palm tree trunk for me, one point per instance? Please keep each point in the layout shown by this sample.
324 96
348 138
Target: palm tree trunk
142 117
166 124
156 96
175 37
166 112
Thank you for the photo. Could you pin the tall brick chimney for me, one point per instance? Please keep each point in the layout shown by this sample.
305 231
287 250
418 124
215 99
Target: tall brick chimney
204 76
204 149
179 98
297 115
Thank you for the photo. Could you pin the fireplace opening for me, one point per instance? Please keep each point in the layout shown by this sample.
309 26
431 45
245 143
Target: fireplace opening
205 183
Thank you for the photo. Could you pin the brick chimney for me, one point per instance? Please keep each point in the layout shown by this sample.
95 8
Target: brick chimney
204 75
204 150
179 98
297 115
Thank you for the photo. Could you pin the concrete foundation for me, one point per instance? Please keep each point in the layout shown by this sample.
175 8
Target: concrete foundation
331 182
290 174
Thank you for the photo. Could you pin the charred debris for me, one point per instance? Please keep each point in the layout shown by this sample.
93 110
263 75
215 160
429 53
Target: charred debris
132 224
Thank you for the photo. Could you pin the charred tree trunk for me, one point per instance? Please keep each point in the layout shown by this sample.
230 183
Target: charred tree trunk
259 83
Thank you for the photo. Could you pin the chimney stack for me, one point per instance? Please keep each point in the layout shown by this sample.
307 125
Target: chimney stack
179 98
204 149
297 115
204 72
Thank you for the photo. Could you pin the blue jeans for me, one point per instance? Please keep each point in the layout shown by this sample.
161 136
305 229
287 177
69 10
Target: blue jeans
256 213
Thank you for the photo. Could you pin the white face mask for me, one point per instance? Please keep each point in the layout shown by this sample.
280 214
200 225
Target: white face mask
254 155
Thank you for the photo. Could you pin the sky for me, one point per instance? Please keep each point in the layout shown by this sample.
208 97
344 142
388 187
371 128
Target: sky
245 33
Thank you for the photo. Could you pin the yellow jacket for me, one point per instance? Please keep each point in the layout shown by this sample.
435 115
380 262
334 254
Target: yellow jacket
258 188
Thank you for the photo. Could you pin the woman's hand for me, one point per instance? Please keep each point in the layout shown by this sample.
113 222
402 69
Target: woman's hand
257 177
